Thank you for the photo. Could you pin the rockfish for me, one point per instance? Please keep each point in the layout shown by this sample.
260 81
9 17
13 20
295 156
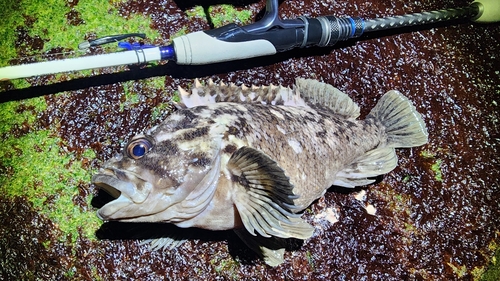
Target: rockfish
252 158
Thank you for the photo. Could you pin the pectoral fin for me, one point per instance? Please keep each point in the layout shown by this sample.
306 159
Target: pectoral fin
264 196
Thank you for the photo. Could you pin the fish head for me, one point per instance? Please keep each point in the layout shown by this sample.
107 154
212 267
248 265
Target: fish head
160 178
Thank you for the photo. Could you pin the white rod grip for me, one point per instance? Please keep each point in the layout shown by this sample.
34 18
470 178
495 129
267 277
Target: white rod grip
80 63
201 48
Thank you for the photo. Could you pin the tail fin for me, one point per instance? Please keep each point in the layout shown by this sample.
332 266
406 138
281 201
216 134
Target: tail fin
403 124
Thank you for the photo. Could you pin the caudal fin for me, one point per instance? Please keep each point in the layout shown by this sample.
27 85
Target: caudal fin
402 122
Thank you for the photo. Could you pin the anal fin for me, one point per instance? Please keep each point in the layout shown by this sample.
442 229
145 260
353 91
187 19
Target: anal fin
373 163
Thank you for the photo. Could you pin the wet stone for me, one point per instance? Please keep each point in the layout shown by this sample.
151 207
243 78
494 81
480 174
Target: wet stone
427 227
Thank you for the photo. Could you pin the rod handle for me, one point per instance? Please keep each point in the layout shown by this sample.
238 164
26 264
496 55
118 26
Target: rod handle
201 48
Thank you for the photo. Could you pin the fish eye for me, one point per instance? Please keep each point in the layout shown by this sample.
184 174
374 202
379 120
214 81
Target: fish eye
138 148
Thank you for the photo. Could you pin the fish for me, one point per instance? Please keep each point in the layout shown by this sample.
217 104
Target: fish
252 159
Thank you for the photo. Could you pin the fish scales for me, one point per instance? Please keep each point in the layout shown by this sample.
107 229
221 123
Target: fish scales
310 144
252 158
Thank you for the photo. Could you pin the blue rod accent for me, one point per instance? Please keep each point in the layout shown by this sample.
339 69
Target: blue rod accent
167 52
353 27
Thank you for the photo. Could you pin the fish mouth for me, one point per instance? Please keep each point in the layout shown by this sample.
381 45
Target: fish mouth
124 191
108 183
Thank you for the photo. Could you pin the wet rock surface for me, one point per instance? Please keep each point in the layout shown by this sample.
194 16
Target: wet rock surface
436 213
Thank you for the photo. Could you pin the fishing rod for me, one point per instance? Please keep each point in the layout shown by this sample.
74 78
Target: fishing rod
267 36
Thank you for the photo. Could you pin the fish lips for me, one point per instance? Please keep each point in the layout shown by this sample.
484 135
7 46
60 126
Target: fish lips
125 192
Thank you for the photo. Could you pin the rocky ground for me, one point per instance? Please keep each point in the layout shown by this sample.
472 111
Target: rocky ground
436 213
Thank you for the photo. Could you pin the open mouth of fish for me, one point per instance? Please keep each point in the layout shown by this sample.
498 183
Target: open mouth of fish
123 191
107 183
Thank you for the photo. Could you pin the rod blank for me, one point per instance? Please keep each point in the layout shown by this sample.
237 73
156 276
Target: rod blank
80 63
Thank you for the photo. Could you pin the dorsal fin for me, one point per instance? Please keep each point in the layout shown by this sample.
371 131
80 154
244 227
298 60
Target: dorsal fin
312 91
212 93
315 92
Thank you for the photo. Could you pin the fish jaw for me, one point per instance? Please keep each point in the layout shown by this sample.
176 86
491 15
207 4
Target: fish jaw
106 212
120 185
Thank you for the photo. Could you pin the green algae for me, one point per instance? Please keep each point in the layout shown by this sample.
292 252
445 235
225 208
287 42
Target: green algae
406 178
196 12
228 266
310 260
10 15
220 15
398 203
436 168
33 166
70 273
48 21
131 97
159 112
492 273
20 83
162 110
459 270
427 154
94 15
15 114
180 32
176 96
223 14
155 83
49 179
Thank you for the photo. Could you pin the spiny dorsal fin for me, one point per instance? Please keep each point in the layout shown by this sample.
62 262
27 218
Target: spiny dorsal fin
315 92
212 93
263 196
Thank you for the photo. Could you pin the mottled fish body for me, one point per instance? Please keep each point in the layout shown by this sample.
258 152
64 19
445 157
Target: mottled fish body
250 159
